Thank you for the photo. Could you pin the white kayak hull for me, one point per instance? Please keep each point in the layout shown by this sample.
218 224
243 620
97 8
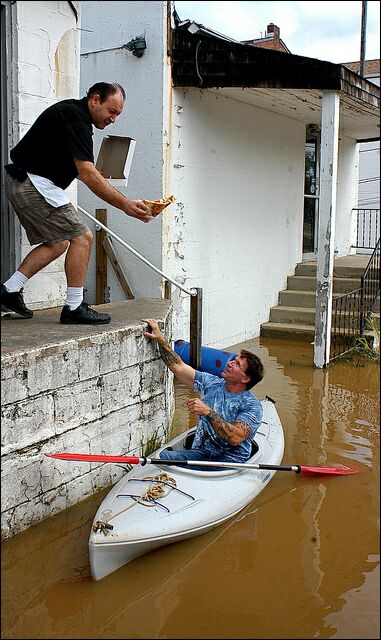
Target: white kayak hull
128 524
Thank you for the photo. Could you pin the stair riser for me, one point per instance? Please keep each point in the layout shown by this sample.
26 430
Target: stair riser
296 299
339 272
340 285
287 334
299 316
304 300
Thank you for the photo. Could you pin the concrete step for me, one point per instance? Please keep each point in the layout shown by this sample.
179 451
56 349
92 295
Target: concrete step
288 331
300 315
295 331
306 269
293 315
302 299
349 267
308 283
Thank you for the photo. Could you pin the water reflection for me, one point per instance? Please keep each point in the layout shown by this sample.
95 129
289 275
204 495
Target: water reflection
300 562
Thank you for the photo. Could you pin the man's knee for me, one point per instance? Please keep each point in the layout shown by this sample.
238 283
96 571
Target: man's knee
57 248
85 239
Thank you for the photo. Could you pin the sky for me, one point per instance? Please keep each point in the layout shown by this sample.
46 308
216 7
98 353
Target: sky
325 30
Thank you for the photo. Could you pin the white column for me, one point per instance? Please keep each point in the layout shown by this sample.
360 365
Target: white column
326 226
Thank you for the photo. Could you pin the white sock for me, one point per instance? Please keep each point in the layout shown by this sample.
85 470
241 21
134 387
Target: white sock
15 282
74 297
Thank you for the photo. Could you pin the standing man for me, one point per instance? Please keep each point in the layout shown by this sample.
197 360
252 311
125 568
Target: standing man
229 413
57 149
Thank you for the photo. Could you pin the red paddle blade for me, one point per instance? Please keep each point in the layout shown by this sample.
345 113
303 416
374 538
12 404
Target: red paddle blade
332 471
89 457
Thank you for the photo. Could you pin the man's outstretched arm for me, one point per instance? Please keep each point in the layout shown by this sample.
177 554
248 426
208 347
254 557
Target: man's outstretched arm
183 372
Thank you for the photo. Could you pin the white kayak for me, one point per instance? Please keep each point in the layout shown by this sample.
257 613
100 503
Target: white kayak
155 505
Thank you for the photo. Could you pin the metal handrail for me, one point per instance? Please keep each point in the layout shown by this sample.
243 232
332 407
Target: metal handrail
367 227
370 285
351 310
190 292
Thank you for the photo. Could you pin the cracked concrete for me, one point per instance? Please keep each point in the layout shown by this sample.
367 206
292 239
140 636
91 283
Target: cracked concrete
76 388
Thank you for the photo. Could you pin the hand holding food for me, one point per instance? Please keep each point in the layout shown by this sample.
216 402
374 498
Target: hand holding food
157 206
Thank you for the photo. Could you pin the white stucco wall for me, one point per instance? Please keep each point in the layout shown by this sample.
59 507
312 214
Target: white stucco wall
347 180
238 175
142 119
47 70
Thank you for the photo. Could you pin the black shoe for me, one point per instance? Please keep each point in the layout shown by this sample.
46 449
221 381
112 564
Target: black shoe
83 315
14 302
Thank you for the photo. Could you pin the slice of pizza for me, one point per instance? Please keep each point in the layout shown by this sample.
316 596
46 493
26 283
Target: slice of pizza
157 206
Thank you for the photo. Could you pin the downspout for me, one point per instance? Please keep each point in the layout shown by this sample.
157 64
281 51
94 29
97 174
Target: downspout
326 226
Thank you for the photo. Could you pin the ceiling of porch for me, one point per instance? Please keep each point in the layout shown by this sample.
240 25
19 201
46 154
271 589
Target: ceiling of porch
357 120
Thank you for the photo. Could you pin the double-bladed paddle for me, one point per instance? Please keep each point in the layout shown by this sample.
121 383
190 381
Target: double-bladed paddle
298 469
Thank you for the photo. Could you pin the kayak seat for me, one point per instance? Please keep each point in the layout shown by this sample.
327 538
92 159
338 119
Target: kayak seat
189 440
254 448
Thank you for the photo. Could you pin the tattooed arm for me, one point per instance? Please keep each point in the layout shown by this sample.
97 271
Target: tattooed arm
182 371
232 433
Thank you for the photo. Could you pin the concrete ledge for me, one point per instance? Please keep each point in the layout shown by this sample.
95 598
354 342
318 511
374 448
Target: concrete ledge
82 389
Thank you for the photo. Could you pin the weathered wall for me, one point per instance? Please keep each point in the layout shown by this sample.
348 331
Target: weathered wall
105 393
103 58
347 189
46 70
238 174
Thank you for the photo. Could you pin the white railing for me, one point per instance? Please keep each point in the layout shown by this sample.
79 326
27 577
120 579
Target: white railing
195 295
190 292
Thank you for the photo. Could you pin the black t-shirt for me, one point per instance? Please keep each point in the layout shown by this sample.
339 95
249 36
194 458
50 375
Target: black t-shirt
62 132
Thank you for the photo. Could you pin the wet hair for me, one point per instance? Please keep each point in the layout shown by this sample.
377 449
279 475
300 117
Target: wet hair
104 90
254 369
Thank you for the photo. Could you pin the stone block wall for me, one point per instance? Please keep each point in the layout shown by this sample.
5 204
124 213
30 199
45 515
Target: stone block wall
105 393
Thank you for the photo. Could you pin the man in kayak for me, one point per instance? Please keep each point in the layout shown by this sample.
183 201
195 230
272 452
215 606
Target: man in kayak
229 413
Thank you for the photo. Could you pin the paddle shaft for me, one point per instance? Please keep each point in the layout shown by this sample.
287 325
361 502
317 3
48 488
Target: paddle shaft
229 465
88 457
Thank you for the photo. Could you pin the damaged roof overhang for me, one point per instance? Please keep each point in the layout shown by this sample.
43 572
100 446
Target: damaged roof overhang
277 81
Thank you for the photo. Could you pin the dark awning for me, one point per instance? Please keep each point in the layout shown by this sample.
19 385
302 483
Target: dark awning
204 59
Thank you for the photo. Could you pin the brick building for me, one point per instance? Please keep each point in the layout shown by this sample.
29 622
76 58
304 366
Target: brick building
271 40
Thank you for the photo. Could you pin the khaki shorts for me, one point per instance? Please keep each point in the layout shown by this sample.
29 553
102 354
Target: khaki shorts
41 221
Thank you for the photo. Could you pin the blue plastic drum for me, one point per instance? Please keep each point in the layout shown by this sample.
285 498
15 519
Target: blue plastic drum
212 360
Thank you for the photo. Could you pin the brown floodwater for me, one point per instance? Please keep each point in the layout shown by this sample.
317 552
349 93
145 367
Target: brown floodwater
301 561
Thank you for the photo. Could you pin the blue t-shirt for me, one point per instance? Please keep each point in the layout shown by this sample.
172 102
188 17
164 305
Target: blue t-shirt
231 407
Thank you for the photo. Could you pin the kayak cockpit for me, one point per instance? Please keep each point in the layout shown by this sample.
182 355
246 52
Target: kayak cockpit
185 440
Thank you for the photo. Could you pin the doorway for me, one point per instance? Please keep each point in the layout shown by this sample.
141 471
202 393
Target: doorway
311 194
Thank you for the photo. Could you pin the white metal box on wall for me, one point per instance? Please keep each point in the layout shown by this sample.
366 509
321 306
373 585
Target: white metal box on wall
115 159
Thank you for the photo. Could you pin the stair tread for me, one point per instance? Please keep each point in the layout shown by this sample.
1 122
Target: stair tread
307 277
290 325
304 292
285 307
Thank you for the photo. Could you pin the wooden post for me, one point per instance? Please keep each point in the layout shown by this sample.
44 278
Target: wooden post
167 290
195 330
101 258
109 248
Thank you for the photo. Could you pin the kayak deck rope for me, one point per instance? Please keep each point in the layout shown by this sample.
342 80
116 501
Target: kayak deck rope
156 490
